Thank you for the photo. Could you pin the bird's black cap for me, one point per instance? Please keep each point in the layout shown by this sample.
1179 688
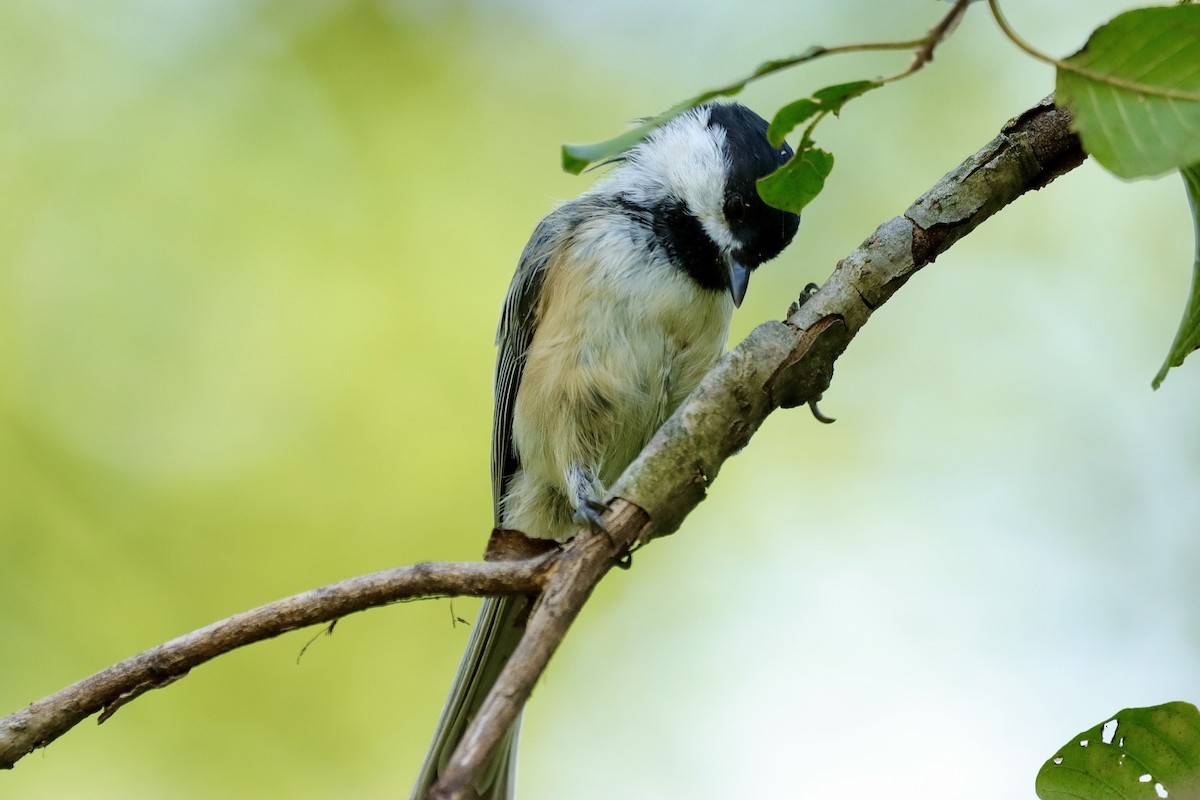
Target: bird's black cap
762 231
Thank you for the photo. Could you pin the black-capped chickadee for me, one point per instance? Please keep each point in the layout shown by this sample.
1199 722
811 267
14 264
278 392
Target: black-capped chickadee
620 303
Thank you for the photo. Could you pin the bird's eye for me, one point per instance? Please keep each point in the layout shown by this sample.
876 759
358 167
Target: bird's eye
735 208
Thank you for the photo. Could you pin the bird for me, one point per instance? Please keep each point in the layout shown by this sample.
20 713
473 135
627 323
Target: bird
620 303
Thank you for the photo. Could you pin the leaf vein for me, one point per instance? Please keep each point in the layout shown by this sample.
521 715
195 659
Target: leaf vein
1163 57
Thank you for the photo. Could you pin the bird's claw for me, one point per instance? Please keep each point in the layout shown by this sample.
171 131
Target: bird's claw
590 512
806 294
816 412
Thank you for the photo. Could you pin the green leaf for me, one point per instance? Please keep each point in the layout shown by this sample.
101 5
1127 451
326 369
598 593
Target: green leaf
577 157
1138 753
833 98
828 100
1134 91
796 183
1187 339
788 117
776 64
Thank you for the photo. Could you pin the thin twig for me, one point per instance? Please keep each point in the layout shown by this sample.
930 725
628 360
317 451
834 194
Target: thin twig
781 364
45 720
924 53
932 39
577 157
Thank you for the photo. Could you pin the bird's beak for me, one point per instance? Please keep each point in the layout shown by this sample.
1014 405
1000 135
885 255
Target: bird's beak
739 279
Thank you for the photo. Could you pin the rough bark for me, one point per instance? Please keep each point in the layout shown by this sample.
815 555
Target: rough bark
103 693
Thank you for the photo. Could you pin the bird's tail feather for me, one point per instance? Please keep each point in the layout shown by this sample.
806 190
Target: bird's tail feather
496 632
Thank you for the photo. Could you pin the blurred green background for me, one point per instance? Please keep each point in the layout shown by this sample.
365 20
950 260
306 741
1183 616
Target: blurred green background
251 256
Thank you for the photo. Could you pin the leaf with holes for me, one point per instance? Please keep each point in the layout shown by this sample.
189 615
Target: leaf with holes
1137 753
1187 339
1134 91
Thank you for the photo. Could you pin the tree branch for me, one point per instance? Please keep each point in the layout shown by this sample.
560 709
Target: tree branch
45 720
780 364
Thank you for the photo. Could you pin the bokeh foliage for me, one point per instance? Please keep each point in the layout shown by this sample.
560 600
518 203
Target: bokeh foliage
224 328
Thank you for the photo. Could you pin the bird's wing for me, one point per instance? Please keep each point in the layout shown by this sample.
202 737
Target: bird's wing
518 321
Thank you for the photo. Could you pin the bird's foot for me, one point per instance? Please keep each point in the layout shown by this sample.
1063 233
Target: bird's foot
590 512
805 295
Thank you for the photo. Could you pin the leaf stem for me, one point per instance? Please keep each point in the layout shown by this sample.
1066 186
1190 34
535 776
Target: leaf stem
1100 77
1013 37
813 53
